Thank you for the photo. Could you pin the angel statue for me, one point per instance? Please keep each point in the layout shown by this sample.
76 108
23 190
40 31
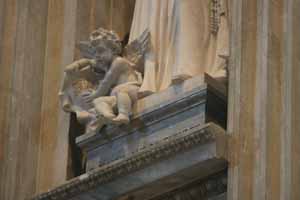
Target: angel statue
102 86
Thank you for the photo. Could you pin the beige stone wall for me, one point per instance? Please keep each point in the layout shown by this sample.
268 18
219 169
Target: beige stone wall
264 111
37 38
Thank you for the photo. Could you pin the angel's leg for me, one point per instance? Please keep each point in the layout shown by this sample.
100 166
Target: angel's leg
94 126
124 107
89 118
105 105
83 117
126 95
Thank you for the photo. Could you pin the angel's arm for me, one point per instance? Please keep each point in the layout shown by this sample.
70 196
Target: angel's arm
119 66
78 65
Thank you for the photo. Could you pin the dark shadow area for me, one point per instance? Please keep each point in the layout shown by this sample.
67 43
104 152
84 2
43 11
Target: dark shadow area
76 160
217 101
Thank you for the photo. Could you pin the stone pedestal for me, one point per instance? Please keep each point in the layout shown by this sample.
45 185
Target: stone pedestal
169 145
155 118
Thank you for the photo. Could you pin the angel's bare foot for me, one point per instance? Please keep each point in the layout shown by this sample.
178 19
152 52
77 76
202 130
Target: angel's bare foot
121 119
108 115
104 107
84 116
94 126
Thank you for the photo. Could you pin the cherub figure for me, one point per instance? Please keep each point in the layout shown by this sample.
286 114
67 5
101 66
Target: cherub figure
107 79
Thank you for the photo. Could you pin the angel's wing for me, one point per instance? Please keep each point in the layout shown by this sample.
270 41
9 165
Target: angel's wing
86 49
135 50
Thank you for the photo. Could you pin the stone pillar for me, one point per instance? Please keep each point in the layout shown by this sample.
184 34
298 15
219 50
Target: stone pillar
54 135
22 57
264 111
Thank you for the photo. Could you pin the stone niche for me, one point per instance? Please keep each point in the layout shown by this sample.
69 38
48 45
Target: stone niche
175 146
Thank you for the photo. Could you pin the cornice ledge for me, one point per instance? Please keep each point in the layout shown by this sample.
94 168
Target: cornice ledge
180 142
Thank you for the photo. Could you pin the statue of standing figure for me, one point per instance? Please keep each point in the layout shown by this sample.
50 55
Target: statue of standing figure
188 38
102 86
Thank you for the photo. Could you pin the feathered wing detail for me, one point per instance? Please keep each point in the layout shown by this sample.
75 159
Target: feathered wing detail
135 50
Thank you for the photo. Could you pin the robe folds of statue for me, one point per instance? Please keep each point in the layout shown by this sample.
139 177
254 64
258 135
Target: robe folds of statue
183 44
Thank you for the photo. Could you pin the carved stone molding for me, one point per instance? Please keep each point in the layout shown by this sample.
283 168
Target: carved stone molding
215 185
173 145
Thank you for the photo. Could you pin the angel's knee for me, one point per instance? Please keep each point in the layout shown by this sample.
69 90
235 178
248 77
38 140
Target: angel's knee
111 100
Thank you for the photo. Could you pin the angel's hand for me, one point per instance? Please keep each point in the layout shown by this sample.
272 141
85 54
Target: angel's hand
88 97
78 65
72 68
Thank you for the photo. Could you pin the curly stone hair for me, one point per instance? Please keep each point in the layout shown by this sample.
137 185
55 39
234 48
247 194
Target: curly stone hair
110 39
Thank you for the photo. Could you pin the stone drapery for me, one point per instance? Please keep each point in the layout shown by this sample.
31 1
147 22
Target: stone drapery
182 43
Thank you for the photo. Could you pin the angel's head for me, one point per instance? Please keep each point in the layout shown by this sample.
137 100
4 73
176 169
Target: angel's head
107 46
103 46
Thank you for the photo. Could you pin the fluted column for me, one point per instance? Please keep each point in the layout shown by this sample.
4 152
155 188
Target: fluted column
264 91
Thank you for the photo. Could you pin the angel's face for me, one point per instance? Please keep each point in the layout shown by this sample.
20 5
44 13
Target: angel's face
104 57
